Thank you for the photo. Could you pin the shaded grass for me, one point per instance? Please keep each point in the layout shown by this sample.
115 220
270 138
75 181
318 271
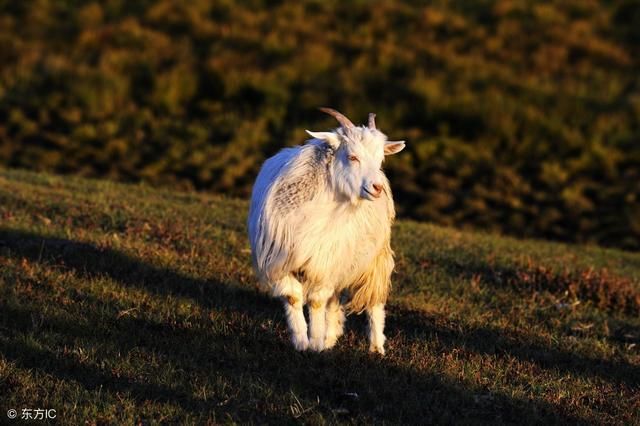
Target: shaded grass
125 304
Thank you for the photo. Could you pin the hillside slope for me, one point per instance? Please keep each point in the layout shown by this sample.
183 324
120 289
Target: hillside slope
124 303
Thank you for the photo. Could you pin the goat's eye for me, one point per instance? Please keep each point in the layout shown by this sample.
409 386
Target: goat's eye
353 158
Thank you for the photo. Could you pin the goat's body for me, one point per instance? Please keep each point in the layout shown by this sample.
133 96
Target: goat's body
327 242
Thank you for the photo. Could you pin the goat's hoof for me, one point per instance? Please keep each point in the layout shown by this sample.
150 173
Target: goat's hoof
316 345
330 341
377 349
301 342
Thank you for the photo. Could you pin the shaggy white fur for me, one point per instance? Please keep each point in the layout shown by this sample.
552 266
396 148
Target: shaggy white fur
320 226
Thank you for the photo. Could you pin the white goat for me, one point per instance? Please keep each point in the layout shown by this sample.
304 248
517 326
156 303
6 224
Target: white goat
320 225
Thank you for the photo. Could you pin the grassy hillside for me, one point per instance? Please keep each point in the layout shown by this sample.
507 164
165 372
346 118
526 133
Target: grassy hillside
123 304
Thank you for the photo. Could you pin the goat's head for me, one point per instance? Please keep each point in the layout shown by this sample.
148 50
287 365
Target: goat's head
359 153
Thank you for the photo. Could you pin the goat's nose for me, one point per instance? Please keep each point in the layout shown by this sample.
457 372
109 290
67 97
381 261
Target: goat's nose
377 188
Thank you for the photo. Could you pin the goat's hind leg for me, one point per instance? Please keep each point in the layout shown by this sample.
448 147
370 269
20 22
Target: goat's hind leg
376 328
291 291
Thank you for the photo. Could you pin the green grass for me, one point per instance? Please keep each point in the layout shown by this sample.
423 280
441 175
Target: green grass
126 304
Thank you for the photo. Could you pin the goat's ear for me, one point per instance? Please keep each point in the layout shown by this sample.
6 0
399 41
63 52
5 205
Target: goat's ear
393 147
329 137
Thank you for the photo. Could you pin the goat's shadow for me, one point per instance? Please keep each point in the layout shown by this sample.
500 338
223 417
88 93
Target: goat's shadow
328 374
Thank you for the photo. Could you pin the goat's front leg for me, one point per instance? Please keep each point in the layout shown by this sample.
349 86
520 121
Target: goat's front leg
376 328
335 321
291 291
317 302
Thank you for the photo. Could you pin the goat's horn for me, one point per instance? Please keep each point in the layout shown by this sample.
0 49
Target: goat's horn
372 120
344 121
